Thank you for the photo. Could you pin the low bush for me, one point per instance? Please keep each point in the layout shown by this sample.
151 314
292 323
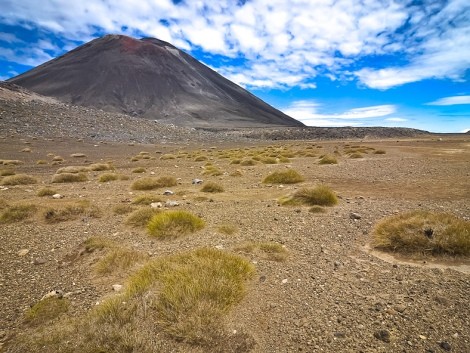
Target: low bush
153 183
46 192
328 159
212 187
18 179
69 178
424 232
320 195
289 176
172 224
140 218
17 213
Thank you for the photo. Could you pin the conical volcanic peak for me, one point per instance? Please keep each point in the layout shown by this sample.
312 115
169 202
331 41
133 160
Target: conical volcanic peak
152 79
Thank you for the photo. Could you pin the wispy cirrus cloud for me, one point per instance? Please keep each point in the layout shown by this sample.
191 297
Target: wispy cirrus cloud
283 43
454 100
308 113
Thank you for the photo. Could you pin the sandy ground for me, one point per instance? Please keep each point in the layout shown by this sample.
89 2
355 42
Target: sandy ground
331 295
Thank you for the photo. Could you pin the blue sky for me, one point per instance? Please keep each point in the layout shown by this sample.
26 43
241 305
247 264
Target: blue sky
324 62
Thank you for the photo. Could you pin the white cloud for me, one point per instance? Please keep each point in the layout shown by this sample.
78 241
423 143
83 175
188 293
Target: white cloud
299 38
396 120
451 100
307 112
9 38
464 131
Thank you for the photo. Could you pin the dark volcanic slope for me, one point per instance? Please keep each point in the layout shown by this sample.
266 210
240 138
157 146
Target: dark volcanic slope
152 79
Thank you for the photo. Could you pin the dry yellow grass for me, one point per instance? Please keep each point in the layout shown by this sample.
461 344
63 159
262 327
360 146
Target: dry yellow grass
46 310
173 224
265 250
18 179
118 259
153 183
321 195
424 232
212 187
17 213
67 211
328 159
140 218
69 178
46 192
289 176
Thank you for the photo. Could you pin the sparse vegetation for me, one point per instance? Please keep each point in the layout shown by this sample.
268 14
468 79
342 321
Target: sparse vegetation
69 178
167 156
247 162
107 177
73 169
212 187
46 310
423 232
18 179
17 213
122 209
211 170
140 218
153 183
146 199
328 159
289 176
321 195
46 192
71 211
118 259
7 172
380 152
10 162
356 155
100 167
266 250
78 155
172 224
227 229
139 170
317 209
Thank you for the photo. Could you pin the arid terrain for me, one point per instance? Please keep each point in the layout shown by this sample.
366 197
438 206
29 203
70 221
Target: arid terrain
330 293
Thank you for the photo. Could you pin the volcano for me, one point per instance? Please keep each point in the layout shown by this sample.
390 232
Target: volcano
151 79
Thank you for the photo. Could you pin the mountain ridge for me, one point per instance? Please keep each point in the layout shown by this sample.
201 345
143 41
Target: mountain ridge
149 78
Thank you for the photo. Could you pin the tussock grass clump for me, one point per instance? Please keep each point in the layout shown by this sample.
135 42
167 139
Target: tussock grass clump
173 224
18 179
17 213
153 183
97 243
212 187
269 160
266 250
211 170
317 209
71 211
73 169
424 232
41 162
57 159
200 159
289 176
328 159
235 161
78 155
69 178
248 162
380 152
10 162
195 290
236 173
107 177
140 218
118 259
228 229
46 310
100 167
321 195
146 199
122 209
7 172
46 192
167 156
356 155
139 170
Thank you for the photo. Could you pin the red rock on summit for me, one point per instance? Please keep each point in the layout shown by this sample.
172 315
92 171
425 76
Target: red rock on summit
151 79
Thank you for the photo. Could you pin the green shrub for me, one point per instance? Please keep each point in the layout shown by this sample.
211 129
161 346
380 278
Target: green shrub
423 232
288 176
172 224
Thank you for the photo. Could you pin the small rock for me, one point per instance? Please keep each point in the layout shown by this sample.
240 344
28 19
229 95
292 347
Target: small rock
54 293
117 287
340 334
197 181
57 196
382 335
284 281
168 192
172 203
23 252
400 308
354 215
445 346
262 278
337 264
39 261
156 205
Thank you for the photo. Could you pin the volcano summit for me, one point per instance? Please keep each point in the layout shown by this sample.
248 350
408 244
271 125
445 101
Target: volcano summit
152 79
